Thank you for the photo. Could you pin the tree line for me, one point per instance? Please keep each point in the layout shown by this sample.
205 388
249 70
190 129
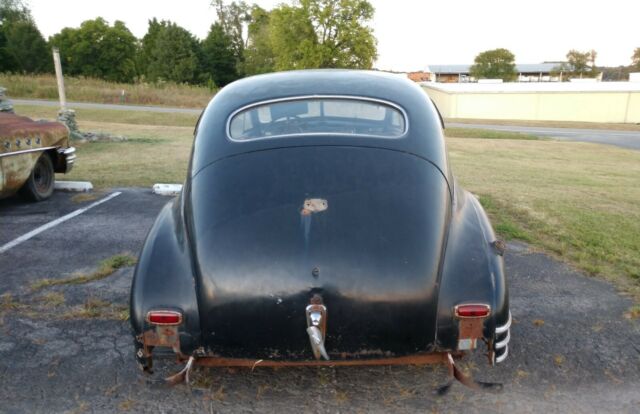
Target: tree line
500 64
244 40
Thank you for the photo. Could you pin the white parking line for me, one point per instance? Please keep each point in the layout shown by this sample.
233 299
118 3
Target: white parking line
35 232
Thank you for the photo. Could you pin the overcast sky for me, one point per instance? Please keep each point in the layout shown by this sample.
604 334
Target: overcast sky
414 33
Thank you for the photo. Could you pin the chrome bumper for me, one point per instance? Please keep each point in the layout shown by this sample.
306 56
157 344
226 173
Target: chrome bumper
69 155
503 335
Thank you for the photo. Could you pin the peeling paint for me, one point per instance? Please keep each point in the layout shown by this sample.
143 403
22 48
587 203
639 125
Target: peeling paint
22 141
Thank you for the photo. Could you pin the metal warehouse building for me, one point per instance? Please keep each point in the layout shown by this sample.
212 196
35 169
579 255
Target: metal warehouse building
537 72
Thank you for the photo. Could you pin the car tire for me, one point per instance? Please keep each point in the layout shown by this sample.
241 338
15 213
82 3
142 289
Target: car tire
39 185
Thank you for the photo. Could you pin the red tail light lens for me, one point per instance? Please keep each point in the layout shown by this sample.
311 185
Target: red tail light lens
472 311
163 317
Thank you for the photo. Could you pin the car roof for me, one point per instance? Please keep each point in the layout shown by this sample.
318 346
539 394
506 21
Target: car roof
424 136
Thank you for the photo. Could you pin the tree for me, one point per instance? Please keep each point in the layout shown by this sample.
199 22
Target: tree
343 37
219 56
148 44
22 47
28 48
635 59
7 63
258 53
582 64
97 50
292 39
171 53
323 34
234 18
12 11
495 64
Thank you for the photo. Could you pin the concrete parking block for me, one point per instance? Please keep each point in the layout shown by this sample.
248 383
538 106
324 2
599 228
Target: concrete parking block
76 186
167 189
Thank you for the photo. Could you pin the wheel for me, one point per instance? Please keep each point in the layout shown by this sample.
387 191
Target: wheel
39 185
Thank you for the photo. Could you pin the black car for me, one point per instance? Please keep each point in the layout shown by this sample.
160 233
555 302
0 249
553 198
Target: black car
320 224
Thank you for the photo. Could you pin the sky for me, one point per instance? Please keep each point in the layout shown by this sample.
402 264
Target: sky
413 33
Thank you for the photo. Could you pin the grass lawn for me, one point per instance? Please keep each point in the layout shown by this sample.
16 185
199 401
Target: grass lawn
100 91
578 201
549 124
487 134
112 116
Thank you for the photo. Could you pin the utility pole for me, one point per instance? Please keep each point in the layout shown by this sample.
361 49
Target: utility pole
60 79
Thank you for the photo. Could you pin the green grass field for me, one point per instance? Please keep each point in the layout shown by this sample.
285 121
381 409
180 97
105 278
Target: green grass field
577 201
96 90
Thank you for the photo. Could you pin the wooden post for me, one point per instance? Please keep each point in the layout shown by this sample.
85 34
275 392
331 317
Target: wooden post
60 79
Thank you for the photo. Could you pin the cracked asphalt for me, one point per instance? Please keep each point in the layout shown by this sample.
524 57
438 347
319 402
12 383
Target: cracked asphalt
572 349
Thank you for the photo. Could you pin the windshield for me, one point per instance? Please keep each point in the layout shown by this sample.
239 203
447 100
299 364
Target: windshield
343 116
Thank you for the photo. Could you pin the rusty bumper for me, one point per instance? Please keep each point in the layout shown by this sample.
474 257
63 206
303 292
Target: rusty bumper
416 359
68 157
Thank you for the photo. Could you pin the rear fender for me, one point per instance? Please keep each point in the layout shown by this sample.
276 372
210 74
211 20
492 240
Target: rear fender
473 271
163 278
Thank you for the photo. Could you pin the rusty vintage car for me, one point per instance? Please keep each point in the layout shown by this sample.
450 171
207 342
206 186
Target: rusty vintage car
31 152
320 224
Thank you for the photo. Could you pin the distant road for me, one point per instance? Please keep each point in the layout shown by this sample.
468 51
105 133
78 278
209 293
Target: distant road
87 105
623 139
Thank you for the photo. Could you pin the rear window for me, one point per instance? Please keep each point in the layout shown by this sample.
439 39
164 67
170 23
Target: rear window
319 116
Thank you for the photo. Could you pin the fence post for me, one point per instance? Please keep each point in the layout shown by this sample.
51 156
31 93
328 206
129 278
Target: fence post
60 79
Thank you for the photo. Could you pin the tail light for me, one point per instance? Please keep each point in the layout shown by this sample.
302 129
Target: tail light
164 317
475 310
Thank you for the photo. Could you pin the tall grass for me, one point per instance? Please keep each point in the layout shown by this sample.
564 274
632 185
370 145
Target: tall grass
100 91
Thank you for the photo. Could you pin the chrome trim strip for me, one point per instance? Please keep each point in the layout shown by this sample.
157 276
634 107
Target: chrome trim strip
8 154
504 328
504 342
304 97
503 356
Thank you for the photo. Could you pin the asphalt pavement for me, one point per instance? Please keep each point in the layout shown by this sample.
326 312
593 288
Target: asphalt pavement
623 139
572 350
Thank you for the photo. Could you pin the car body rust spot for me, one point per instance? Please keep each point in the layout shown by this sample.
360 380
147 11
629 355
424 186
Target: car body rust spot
314 205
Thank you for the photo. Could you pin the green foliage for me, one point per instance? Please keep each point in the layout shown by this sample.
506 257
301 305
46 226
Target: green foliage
12 11
293 39
170 53
7 63
22 47
495 64
28 48
635 59
344 40
219 56
258 54
97 50
581 64
233 18
245 40
323 34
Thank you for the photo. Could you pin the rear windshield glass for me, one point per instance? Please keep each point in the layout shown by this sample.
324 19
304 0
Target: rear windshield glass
318 116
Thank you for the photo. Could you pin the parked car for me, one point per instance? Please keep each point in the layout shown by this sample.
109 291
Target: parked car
320 224
31 152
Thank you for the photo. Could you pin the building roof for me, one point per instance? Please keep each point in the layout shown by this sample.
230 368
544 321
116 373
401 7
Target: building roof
520 67
451 69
